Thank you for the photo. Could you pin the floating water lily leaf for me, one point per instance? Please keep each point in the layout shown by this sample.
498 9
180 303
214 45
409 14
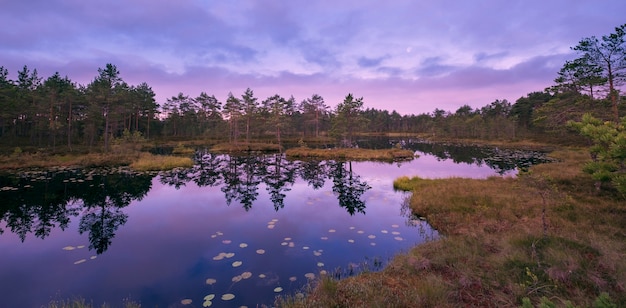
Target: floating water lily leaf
317 253
309 276
305 247
371 236
246 275
395 226
284 244
324 237
260 251
287 239
243 245
352 228
320 264
397 238
332 230
278 289
209 297
213 236
291 244
274 220
186 301
92 257
237 278
262 276
237 263
210 281
80 261
271 222
219 233
384 231
229 255
270 226
323 272
350 241
228 296
68 248
373 244
227 241
219 257
395 233
80 246
360 232
293 278
207 304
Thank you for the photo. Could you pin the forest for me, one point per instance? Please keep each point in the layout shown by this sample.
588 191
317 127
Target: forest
57 113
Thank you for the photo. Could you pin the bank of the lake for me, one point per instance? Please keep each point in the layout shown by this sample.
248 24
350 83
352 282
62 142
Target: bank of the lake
543 237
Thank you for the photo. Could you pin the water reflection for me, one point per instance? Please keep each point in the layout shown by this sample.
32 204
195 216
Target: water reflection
38 202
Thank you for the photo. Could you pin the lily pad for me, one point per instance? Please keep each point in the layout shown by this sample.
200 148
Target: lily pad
227 241
384 231
68 248
360 232
324 238
243 245
397 238
293 278
209 297
246 275
278 289
228 296
352 228
320 264
309 276
270 226
373 244
262 276
229 255
237 278
350 241
305 247
207 304
287 239
332 230
395 233
317 253
186 301
284 244
395 226
292 244
371 236
260 251
237 263
92 257
210 281
80 261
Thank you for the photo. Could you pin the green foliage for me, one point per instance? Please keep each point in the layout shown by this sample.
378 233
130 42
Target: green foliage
604 301
608 150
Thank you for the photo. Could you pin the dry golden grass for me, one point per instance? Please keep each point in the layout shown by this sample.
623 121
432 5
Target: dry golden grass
498 247
351 153
38 160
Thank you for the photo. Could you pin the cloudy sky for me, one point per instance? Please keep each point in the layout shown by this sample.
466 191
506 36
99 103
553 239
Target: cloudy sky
409 56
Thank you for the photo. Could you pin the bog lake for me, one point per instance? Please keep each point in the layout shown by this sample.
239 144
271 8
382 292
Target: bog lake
231 231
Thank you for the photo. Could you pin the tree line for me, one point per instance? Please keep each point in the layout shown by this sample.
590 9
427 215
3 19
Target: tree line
52 112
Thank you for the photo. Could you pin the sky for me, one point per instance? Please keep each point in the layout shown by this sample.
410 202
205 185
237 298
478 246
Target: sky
408 56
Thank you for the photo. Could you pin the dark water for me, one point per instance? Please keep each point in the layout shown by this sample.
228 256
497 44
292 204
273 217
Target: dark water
253 227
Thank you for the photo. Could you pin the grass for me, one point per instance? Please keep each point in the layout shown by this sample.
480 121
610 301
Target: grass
151 162
245 147
546 236
351 153
82 303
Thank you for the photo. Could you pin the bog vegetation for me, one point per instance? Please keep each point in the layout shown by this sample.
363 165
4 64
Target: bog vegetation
551 236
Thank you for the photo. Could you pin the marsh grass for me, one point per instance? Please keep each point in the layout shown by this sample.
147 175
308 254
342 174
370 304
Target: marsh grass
245 147
351 154
543 236
39 160
151 162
